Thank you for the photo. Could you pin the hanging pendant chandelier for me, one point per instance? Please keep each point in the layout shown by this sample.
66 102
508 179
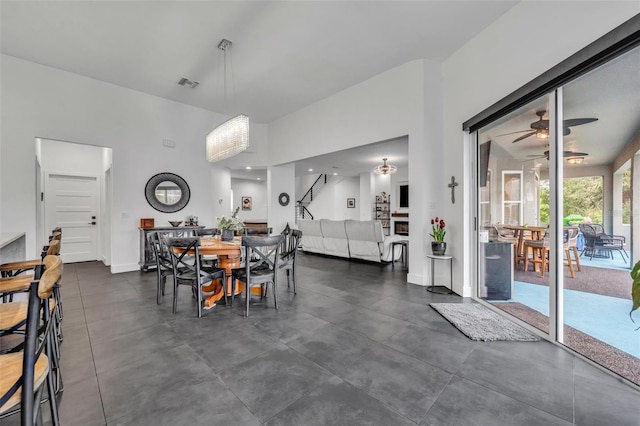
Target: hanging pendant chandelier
384 168
231 137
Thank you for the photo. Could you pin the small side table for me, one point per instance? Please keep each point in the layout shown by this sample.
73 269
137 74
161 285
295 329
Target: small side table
404 256
433 288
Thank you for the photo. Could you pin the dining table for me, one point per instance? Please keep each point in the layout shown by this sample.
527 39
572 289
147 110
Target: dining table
229 255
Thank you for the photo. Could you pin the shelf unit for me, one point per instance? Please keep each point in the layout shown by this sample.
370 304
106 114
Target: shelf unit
382 212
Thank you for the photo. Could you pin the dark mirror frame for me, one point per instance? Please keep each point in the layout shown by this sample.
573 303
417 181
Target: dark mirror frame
150 192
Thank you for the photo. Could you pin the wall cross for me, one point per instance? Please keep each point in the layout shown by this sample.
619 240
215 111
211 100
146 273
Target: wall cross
453 185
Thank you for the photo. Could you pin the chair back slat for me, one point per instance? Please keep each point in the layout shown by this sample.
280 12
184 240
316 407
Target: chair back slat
265 251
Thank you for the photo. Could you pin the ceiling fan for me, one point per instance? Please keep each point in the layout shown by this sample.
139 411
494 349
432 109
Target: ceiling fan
540 128
565 154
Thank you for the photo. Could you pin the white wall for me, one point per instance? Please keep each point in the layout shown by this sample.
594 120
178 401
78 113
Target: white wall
331 201
280 179
54 104
496 62
392 104
257 190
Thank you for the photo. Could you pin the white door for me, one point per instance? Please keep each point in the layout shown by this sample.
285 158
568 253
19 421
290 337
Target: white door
72 203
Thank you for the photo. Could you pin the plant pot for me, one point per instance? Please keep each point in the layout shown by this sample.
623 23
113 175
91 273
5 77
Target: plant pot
438 248
226 234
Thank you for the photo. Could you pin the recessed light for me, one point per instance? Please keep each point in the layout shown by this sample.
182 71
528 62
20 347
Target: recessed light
310 170
335 174
248 167
259 179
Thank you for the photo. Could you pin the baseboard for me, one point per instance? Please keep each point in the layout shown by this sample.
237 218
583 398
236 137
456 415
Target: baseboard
127 267
416 279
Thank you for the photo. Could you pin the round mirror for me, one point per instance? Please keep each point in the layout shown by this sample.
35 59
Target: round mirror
167 192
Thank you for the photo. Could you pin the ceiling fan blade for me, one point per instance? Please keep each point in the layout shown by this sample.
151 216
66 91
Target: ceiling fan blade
578 121
513 133
574 154
523 137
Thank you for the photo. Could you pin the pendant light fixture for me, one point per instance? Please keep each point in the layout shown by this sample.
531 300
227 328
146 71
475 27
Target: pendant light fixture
384 168
232 136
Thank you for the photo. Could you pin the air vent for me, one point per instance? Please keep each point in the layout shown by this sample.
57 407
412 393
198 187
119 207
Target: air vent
188 83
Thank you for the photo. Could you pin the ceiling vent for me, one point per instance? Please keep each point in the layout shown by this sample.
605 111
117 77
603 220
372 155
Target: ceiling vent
188 83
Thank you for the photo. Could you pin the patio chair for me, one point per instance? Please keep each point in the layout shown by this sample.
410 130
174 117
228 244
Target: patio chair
540 252
597 243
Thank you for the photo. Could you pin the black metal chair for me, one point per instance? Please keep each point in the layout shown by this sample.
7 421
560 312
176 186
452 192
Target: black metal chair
597 243
261 271
209 261
185 260
164 265
27 368
288 251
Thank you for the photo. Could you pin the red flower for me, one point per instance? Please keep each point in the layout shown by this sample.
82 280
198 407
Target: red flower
441 223
437 220
432 222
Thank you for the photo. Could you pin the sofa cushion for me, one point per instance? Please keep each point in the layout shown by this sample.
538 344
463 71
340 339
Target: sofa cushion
334 237
365 238
311 236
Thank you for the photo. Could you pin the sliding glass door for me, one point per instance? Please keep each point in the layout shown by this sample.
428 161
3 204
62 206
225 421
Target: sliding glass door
558 190
513 248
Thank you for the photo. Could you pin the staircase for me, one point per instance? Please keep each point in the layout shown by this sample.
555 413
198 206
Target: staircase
302 212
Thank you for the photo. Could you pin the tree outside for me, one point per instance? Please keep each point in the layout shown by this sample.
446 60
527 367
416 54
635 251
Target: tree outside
582 196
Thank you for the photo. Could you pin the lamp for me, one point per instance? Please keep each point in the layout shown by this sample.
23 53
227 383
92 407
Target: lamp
232 136
575 160
384 168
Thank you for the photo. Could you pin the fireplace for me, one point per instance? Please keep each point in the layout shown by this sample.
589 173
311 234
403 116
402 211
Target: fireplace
401 227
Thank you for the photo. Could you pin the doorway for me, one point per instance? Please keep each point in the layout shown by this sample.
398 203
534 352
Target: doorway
75 194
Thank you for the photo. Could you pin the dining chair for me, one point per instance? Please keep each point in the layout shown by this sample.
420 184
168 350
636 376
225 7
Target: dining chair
30 365
187 270
540 253
208 261
261 271
288 250
16 268
164 265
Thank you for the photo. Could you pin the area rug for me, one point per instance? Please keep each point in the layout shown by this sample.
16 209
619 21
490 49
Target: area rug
480 323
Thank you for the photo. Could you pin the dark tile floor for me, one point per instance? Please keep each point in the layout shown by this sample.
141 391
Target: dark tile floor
356 345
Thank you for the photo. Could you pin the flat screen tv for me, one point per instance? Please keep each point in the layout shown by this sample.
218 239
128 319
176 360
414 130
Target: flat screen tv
483 163
404 196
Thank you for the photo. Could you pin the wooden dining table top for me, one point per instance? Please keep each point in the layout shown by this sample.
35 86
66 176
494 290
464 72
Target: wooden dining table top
214 245
525 228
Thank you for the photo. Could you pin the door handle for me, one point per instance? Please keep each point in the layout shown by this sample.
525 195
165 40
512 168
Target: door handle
91 223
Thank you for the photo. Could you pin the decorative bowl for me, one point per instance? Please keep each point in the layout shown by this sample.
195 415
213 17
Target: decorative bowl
175 223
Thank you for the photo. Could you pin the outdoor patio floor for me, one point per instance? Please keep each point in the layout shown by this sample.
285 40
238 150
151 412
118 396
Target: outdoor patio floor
596 306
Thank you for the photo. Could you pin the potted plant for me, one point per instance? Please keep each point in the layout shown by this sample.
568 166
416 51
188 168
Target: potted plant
228 226
635 289
438 246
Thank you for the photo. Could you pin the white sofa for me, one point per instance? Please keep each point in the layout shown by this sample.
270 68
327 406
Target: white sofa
357 239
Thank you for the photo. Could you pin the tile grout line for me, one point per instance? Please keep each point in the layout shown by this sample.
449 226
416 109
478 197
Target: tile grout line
93 361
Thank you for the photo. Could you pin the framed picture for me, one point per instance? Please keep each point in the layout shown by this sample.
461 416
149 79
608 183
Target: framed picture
246 203
351 203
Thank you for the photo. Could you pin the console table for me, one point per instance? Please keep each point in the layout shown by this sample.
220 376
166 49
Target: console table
147 257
